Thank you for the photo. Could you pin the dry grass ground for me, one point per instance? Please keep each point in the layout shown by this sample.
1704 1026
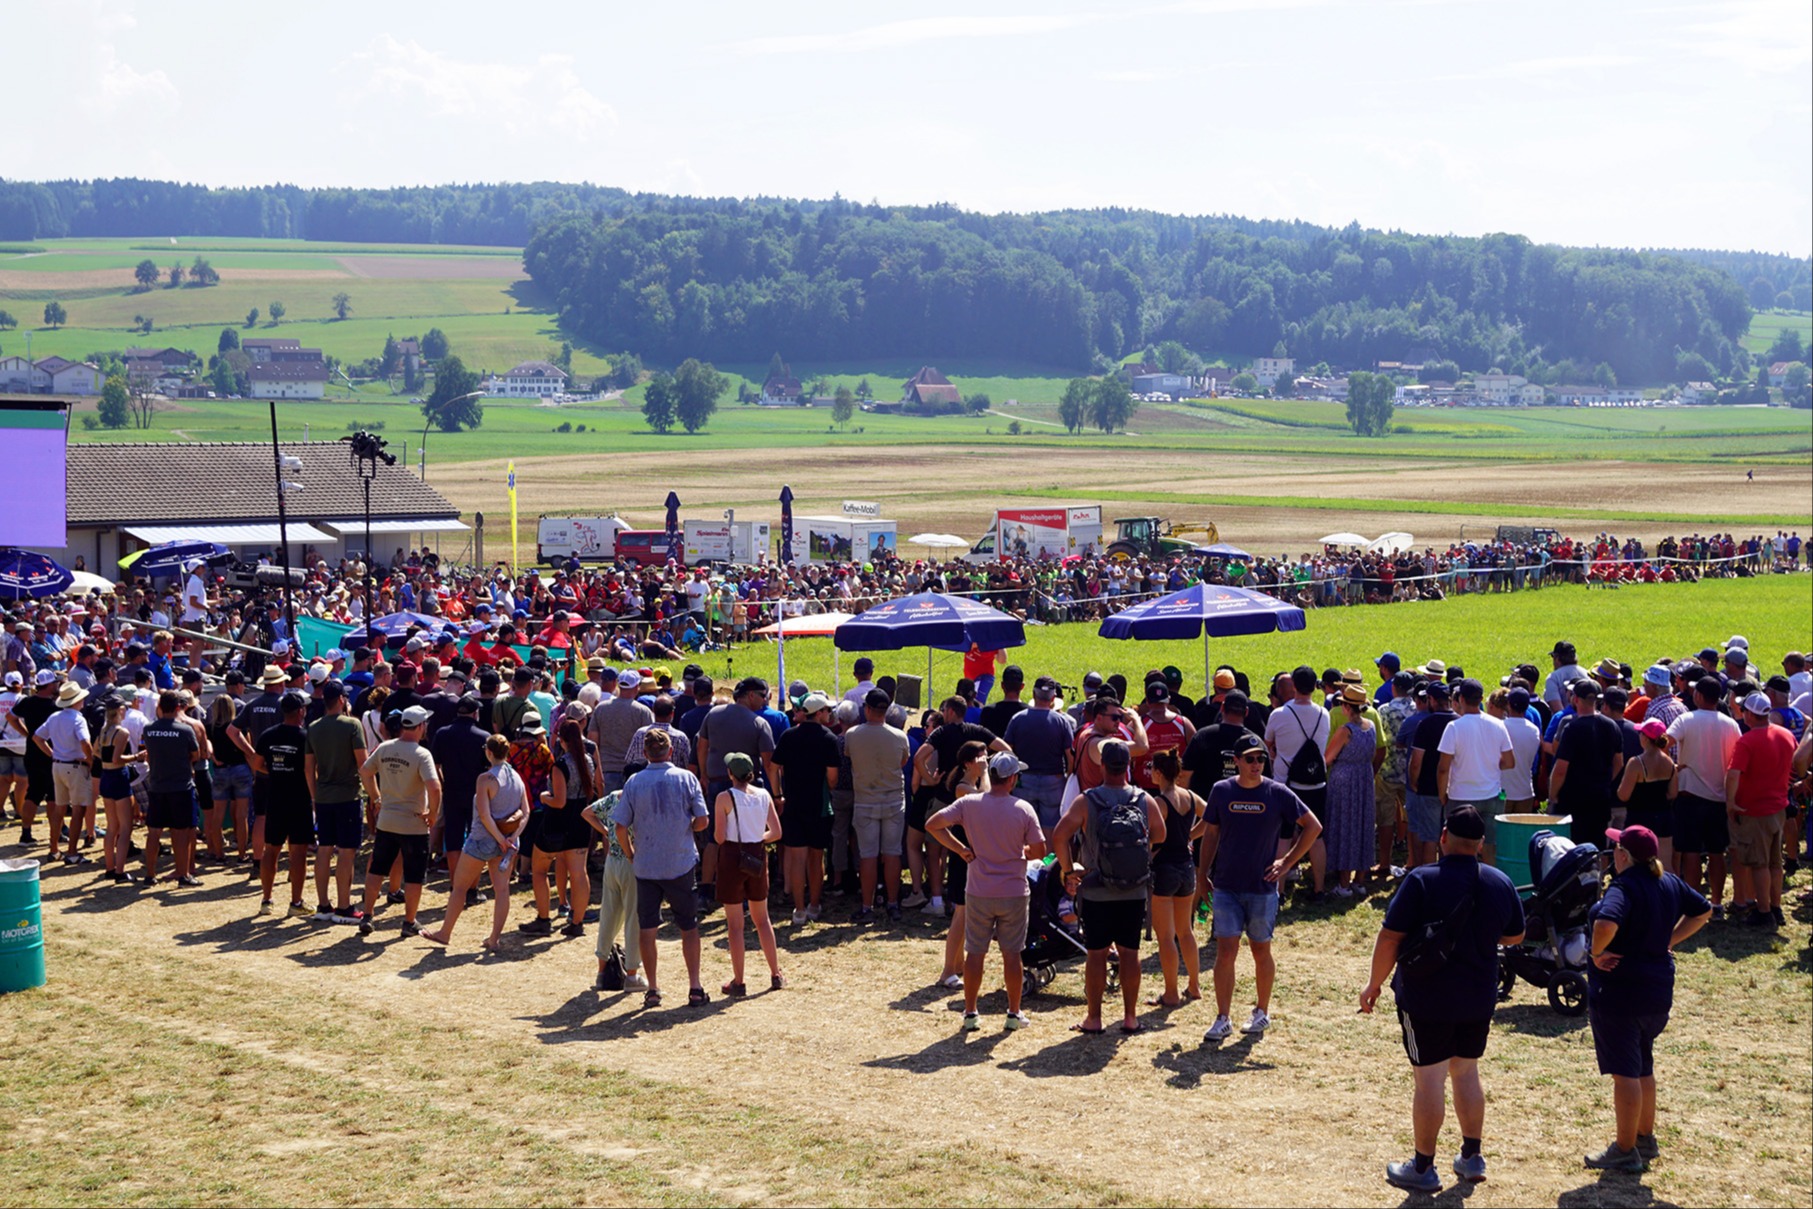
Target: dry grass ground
186 1051
954 489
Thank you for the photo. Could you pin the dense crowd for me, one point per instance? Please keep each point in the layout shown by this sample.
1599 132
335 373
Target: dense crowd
620 788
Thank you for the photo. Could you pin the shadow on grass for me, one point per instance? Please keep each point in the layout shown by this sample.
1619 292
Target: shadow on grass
579 1018
1615 1189
259 934
1077 1054
1453 1194
1187 1067
957 1050
1537 1020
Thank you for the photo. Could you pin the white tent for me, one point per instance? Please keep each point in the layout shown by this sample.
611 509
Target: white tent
1392 543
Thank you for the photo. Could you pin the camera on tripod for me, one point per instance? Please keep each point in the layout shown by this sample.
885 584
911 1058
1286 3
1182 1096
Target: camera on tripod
370 449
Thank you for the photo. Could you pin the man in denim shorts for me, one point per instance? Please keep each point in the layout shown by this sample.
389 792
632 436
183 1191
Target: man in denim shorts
1239 872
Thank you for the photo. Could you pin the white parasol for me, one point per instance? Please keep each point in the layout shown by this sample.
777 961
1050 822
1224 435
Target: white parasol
939 541
1344 539
1392 543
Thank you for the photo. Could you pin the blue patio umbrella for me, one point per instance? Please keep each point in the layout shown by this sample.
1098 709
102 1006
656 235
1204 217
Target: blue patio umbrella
393 626
931 620
169 558
23 573
1211 610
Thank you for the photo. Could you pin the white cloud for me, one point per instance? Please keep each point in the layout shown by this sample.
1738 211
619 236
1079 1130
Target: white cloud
1130 76
517 101
1760 35
1544 68
117 85
906 33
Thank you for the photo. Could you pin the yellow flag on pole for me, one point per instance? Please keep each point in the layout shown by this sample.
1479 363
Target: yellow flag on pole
512 467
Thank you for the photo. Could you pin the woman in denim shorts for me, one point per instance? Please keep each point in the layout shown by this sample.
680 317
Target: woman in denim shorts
501 801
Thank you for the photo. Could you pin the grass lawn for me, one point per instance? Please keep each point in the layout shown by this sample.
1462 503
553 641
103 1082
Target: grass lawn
188 1051
1766 325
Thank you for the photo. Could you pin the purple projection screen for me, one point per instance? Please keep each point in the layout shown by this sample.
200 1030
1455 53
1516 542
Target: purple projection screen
34 490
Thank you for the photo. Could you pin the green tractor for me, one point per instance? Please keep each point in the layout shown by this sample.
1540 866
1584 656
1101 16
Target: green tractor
1155 537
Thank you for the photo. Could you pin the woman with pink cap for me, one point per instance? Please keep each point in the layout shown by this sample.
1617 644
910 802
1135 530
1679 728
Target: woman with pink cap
1644 914
1648 788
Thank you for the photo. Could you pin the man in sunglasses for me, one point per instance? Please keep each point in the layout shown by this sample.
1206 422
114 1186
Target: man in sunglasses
1239 871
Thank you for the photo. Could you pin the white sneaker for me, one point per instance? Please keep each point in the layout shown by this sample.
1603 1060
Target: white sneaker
1221 1030
799 917
1016 1020
915 899
634 981
933 907
1258 1024
1342 892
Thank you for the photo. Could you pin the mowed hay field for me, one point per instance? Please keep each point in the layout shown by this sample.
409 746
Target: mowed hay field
187 1051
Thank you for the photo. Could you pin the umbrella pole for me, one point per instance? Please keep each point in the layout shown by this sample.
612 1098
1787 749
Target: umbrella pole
837 669
928 678
1208 679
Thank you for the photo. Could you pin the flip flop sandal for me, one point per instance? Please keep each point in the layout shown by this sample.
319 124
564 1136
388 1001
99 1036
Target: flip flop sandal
1087 1032
697 997
1138 1028
652 999
735 990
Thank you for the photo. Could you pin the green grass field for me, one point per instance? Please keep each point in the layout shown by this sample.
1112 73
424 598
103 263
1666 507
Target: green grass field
1765 325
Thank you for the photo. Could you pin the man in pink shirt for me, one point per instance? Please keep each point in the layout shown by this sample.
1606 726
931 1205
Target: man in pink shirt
1756 799
999 834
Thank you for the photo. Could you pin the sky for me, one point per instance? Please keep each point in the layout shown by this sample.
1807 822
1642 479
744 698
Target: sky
1595 122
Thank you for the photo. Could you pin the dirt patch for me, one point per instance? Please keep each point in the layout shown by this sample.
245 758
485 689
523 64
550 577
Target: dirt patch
81 279
947 488
435 268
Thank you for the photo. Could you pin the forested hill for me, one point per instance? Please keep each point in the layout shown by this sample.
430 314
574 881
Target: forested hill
729 279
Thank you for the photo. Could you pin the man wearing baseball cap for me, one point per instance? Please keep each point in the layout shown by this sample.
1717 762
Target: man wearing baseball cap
288 813
1445 1003
1643 915
999 834
400 775
809 759
1389 665
1756 803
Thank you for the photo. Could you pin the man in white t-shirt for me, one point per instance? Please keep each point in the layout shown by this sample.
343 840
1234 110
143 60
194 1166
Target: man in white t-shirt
1288 729
1517 781
1475 750
1703 740
193 613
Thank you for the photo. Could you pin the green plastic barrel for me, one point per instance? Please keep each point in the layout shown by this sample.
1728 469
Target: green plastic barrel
21 927
1514 832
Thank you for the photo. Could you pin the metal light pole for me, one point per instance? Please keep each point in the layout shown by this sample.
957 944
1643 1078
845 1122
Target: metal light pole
283 525
429 419
367 452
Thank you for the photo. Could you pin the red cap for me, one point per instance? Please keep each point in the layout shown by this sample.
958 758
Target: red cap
1640 842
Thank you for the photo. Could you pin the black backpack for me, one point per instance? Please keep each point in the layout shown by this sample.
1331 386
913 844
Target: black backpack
1123 842
611 977
1427 951
1307 768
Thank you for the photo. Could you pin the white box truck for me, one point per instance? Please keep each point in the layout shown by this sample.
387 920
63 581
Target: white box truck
587 538
1040 533
842 539
740 542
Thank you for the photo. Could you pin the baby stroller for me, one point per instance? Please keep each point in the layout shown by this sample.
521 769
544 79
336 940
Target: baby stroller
1555 948
1050 942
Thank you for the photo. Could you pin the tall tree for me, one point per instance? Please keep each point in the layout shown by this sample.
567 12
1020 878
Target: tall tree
229 340
54 314
391 358
146 273
116 400
277 312
452 405
434 344
8 321
660 403
177 273
1114 404
252 317
202 273
343 305
1074 407
1370 400
698 386
977 403
843 405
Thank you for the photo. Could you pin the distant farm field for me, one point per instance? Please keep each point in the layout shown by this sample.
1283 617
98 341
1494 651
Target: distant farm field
1766 325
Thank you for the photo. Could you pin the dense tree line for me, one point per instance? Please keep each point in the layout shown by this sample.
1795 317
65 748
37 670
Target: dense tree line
734 279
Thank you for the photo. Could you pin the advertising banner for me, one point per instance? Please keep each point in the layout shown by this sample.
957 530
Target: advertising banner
862 508
1031 533
828 543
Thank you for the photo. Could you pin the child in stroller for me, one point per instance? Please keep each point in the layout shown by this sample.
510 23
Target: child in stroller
1555 947
1053 936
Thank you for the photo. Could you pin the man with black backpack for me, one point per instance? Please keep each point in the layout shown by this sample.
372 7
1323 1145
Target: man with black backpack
1117 825
1296 733
1442 932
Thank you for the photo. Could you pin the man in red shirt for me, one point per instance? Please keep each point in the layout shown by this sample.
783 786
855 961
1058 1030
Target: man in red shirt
556 633
1756 796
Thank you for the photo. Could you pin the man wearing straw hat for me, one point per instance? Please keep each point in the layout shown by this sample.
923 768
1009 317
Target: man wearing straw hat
64 738
255 717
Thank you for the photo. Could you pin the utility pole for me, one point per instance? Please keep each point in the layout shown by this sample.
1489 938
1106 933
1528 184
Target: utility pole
283 526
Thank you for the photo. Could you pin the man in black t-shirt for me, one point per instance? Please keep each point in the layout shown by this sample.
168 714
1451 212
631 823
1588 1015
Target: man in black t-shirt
956 732
29 713
1209 756
1589 759
289 814
1422 794
807 755
995 717
255 717
172 748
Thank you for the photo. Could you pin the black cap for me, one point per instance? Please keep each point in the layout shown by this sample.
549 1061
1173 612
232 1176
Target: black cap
1563 650
1235 698
1586 688
1248 742
1438 690
294 703
875 699
1157 692
1519 700
332 691
467 705
522 675
1615 697
1115 755
1403 681
360 654
1778 684
235 676
1464 823
1709 652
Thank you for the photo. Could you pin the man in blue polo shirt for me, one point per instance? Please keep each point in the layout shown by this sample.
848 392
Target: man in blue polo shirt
1445 1006
1388 665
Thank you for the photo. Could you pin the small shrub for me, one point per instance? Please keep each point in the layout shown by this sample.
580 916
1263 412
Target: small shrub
581 428
564 426
91 422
